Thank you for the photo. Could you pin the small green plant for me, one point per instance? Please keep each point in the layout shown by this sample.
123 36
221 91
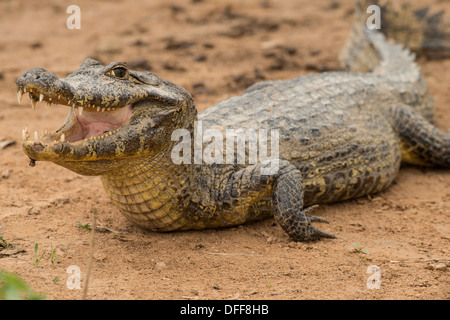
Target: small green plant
37 257
55 280
14 288
3 243
52 257
358 249
86 226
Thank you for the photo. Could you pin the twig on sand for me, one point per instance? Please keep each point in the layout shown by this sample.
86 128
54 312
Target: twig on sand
91 253
233 254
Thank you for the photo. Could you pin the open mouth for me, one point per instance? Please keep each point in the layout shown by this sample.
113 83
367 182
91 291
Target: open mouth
85 121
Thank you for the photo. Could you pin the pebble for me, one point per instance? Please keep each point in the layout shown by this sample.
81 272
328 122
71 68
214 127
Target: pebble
5 174
33 211
160 265
437 266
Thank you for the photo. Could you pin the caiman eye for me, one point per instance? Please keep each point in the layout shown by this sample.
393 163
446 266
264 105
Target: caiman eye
119 72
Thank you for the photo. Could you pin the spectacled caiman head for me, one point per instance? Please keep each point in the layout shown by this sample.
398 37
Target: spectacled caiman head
115 114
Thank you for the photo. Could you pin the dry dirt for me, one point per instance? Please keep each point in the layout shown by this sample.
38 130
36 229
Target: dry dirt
215 50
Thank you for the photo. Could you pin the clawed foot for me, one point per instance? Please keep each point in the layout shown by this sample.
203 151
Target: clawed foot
308 232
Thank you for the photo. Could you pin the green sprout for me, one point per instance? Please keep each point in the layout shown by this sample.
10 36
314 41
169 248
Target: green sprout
358 249
52 257
3 243
86 226
37 258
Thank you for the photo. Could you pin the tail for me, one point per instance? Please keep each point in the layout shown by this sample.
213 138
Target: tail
423 34
369 51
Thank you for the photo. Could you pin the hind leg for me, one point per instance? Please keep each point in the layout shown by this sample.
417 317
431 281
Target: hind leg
421 143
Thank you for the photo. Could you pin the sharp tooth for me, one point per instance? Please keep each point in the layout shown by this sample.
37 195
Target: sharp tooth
73 105
109 109
36 137
41 97
49 99
19 95
98 109
24 136
63 137
33 104
45 132
80 111
103 109
24 90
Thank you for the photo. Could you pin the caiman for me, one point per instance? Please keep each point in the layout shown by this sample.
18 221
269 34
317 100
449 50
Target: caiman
342 135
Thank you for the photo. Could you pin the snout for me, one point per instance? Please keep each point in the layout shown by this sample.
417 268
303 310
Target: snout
40 81
37 77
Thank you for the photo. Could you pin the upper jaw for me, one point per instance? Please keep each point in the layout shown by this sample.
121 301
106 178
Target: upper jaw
86 129
86 114
86 101
60 92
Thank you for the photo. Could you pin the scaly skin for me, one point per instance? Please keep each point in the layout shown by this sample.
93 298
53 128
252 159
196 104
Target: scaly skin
342 136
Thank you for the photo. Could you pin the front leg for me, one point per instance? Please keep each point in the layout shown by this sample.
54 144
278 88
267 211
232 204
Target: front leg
248 186
288 206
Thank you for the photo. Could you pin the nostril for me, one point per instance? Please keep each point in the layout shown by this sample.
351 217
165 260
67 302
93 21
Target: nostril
38 77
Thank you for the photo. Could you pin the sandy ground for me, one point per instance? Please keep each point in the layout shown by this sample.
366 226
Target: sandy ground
215 50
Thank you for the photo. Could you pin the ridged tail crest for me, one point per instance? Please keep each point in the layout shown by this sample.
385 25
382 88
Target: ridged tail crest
424 33
413 30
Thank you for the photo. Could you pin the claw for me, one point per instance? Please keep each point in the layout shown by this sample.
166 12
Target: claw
309 232
317 234
317 219
311 208
306 211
